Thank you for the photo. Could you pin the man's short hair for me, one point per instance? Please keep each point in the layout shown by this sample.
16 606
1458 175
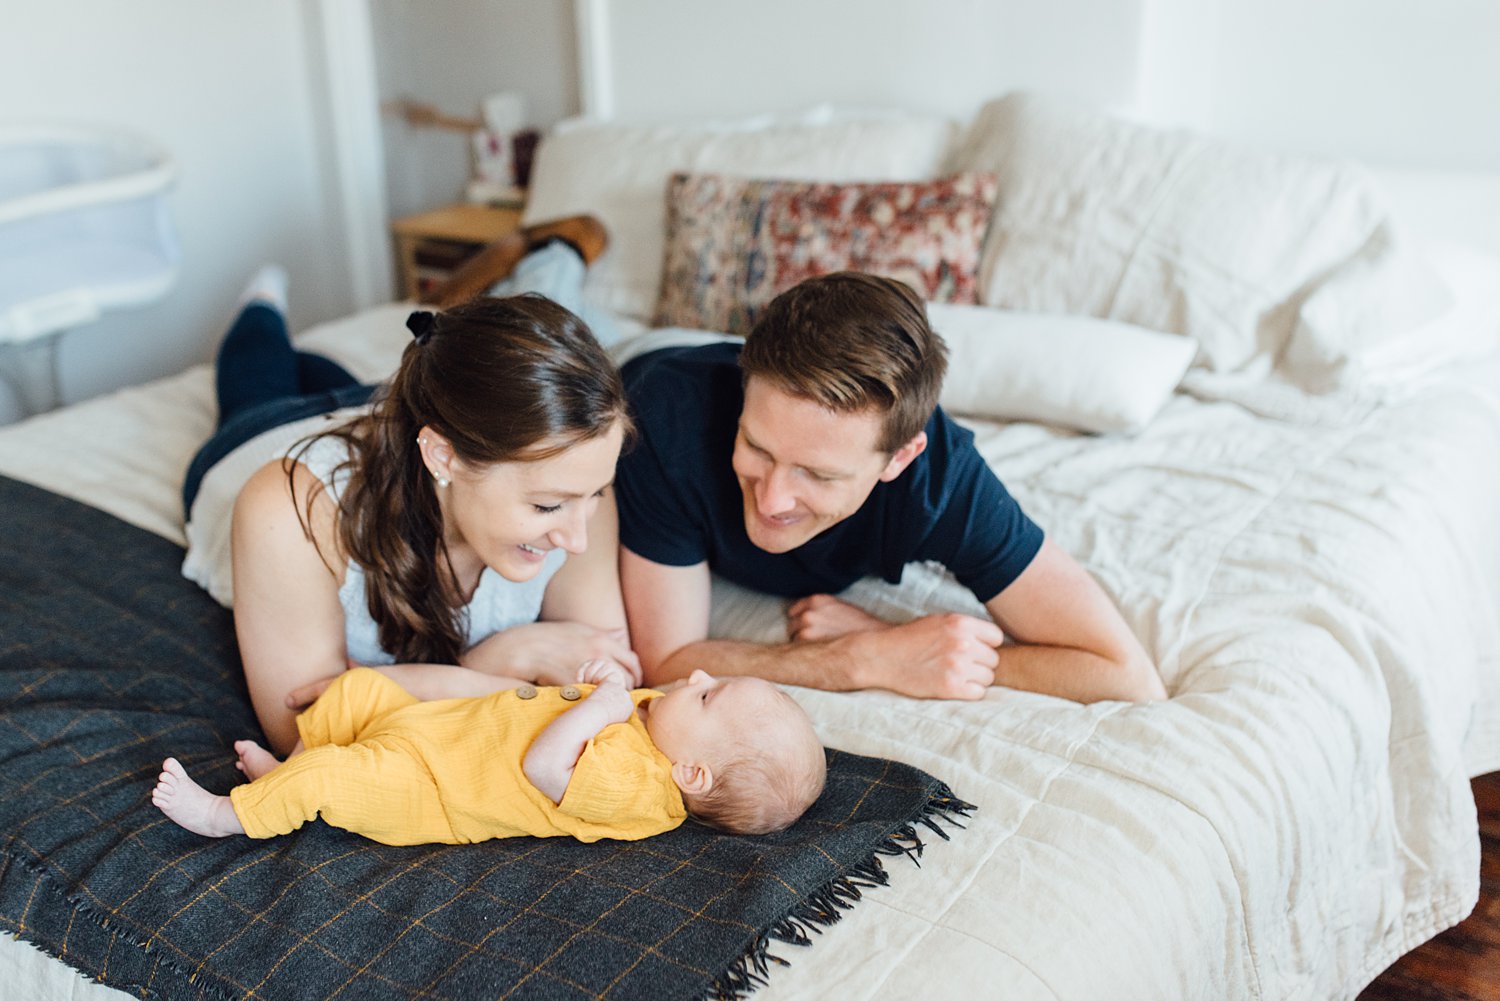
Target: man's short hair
852 342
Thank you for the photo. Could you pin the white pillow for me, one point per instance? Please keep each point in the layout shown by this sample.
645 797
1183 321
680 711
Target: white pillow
1074 371
1179 232
619 173
1361 307
1468 329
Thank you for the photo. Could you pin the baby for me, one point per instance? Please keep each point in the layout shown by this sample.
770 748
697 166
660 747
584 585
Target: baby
416 754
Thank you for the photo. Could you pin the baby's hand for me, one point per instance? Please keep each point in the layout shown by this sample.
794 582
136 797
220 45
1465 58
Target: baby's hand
600 670
612 700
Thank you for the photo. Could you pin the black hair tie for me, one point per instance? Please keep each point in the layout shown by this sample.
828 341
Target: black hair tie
420 323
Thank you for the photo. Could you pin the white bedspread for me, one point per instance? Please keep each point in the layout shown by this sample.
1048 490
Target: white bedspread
1321 594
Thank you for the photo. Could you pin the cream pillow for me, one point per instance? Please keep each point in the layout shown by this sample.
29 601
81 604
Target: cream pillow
1467 330
1074 371
620 172
1372 301
1071 371
1181 233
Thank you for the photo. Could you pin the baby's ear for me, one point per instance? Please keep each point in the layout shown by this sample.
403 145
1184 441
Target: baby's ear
692 778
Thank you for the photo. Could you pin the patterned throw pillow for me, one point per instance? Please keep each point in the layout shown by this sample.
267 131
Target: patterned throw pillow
733 243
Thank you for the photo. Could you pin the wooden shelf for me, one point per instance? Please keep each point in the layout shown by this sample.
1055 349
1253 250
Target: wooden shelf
430 246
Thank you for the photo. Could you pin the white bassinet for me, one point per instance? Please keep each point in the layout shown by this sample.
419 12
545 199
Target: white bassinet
83 229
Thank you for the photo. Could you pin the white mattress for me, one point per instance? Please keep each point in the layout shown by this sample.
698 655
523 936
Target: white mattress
1320 589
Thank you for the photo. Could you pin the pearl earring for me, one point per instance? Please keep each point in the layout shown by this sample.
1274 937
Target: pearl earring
422 440
442 481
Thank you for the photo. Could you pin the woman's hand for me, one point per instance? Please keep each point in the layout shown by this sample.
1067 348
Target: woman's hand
824 617
300 698
550 653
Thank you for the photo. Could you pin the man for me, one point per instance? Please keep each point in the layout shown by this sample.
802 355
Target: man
816 455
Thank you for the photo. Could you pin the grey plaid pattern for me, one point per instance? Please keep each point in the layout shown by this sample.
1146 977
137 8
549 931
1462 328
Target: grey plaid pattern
110 660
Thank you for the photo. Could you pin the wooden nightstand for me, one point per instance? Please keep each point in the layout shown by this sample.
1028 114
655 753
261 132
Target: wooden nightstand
430 246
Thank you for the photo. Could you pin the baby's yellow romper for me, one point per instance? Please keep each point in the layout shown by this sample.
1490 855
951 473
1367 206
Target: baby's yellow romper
382 764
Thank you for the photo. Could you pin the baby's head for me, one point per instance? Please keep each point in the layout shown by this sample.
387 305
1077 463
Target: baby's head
743 752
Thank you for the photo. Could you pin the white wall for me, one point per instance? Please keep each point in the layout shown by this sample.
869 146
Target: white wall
1387 82
1390 82
452 54
1394 84
227 88
682 58
235 90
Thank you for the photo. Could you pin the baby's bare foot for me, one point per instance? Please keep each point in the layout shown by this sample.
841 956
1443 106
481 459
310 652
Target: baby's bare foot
254 760
189 805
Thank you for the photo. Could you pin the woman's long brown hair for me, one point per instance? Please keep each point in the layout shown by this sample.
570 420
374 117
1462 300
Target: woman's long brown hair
504 380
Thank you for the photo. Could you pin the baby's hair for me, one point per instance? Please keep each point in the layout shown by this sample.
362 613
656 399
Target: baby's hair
773 779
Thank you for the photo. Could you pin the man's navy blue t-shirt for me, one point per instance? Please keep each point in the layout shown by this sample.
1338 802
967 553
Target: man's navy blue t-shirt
680 502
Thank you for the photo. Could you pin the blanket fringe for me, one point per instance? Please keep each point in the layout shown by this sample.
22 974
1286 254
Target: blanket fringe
825 906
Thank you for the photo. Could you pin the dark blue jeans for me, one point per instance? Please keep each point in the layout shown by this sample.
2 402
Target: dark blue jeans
262 382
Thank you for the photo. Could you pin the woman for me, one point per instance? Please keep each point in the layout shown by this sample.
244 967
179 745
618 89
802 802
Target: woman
438 525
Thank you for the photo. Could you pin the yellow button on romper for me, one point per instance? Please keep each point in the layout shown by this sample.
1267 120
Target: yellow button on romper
380 763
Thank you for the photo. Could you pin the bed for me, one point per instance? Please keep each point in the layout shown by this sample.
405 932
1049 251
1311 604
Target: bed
1300 528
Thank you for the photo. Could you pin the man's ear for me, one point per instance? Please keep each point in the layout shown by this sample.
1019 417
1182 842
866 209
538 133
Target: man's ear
692 778
437 453
905 456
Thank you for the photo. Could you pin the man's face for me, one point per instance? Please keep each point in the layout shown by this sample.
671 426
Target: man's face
803 468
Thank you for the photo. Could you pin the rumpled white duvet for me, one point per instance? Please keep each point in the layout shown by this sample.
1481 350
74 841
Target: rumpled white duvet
1319 580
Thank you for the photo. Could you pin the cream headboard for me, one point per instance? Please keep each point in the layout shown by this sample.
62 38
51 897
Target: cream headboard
1233 68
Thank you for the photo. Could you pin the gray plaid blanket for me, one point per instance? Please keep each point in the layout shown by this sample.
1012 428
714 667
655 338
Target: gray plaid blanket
110 660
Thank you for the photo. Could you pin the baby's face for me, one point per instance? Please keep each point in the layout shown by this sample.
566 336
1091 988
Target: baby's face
704 717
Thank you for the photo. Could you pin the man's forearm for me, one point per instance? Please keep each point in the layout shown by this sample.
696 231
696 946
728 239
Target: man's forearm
828 664
932 657
1077 675
936 656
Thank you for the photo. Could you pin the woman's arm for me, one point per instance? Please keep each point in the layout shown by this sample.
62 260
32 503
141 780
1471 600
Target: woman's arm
430 682
550 760
287 615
